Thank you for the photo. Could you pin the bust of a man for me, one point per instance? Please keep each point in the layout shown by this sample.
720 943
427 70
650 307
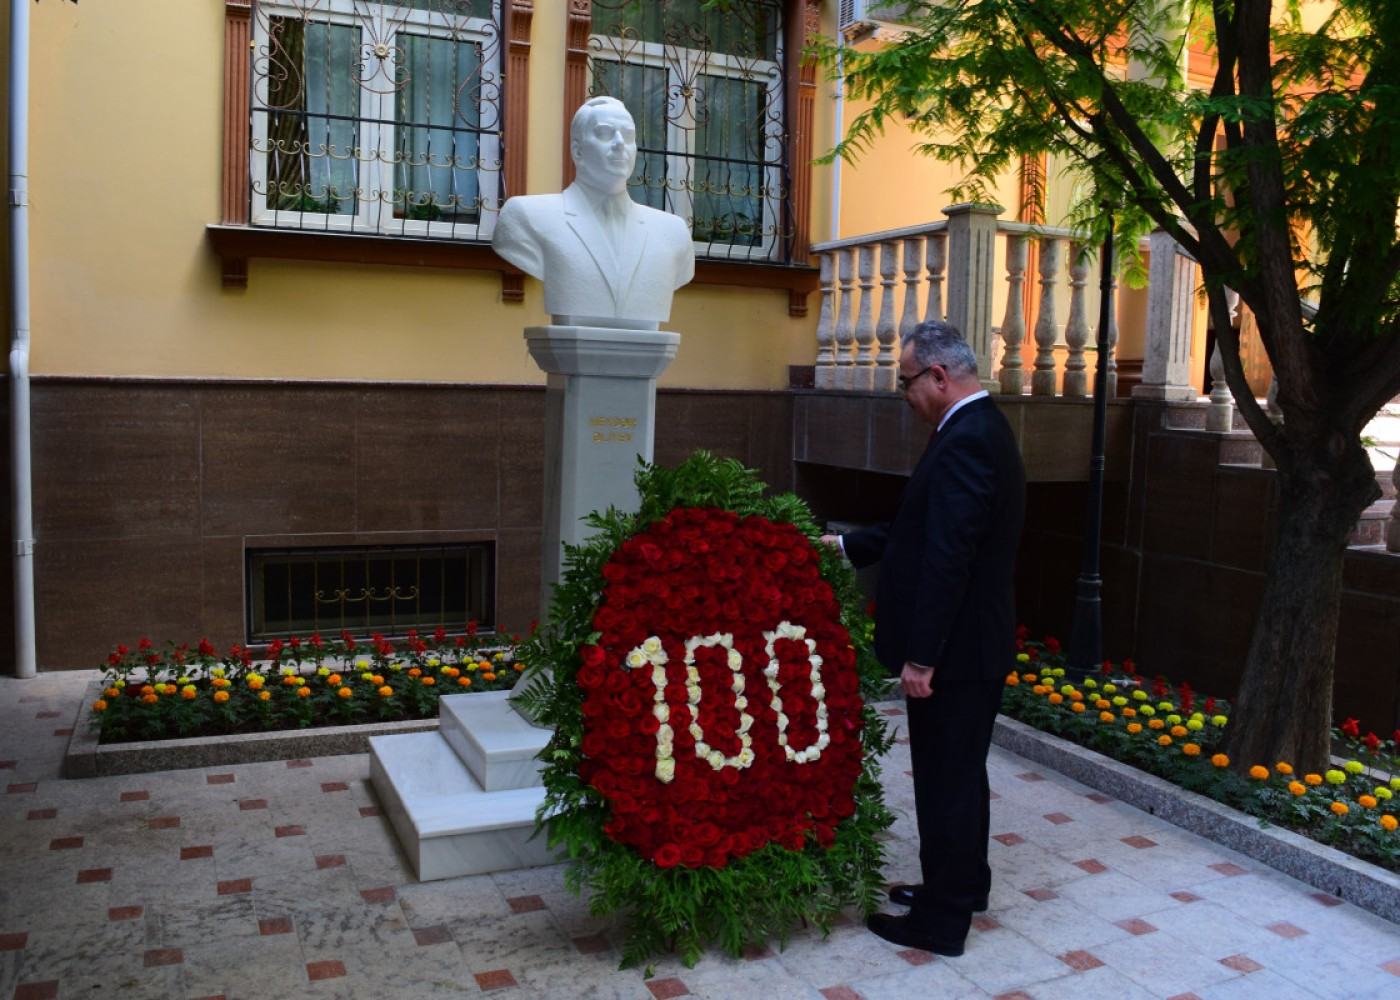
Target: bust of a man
604 260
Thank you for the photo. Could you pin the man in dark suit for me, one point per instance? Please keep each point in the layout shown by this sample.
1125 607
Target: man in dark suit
945 623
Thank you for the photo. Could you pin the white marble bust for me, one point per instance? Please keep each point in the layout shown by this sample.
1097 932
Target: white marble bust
604 260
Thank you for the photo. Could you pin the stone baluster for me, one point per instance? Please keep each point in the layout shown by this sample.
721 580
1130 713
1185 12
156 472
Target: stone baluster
1076 383
1111 374
863 377
845 323
913 275
1013 324
1392 527
1171 314
1221 415
972 236
825 377
1043 379
887 360
937 263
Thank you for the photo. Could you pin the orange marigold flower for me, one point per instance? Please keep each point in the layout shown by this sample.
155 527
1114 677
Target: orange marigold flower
1076 695
1177 731
221 682
333 680
1078 706
1128 713
188 692
377 680
1135 727
1297 788
99 705
150 699
1389 823
255 683
112 693
1190 749
1340 808
1367 801
1028 678
1312 779
1103 704
221 696
1106 716
1164 740
1156 724
345 693
466 682
147 689
1258 772
386 691
1012 680
415 672
1220 760
1056 698
519 667
264 695
303 691
1283 768
429 681
453 672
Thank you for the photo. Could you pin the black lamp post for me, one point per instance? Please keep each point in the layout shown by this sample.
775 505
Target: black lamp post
1086 637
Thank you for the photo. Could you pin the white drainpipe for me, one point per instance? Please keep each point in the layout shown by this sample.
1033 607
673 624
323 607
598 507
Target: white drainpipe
21 479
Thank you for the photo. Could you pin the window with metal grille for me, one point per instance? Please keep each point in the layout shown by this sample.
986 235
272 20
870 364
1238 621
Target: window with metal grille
706 90
377 116
363 589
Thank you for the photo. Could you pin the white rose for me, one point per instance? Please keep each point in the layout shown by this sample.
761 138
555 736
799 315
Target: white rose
819 692
662 711
715 759
665 769
636 659
652 646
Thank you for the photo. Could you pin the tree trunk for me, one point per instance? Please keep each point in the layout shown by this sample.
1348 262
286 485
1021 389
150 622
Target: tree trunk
1284 708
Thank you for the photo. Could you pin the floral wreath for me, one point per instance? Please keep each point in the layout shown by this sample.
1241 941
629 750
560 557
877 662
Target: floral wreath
712 772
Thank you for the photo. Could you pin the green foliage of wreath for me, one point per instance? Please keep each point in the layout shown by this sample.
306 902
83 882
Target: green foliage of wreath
767 892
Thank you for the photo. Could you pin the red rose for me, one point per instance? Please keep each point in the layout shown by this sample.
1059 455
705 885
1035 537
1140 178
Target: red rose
667 856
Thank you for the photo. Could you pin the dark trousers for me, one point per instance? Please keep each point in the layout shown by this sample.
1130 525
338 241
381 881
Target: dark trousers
950 733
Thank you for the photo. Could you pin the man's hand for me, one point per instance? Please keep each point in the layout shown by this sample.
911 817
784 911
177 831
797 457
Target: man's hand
916 681
831 540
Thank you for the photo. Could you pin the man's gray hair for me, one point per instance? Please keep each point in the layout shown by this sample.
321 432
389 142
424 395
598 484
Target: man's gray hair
939 343
583 117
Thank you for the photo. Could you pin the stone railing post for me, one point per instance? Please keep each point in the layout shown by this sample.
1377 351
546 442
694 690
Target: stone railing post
845 323
825 377
1111 375
913 267
1013 324
1166 363
863 377
1221 415
937 262
1077 324
1043 379
972 234
887 359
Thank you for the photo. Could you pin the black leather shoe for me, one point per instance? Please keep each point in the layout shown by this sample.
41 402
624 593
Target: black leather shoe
897 930
903 895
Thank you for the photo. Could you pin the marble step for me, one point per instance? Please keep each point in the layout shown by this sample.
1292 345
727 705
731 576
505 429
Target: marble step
446 822
494 741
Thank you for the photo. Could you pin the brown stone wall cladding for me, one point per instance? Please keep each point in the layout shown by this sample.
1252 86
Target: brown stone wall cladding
147 493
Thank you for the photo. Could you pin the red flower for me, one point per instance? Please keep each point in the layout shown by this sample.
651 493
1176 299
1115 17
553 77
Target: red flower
1372 741
667 856
1352 728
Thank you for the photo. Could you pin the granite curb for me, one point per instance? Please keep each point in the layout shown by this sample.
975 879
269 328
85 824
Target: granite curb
87 758
1368 886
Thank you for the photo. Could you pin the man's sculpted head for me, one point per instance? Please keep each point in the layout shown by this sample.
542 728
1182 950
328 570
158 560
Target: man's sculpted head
603 143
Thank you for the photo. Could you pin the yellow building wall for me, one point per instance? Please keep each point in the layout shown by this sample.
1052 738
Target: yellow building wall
126 140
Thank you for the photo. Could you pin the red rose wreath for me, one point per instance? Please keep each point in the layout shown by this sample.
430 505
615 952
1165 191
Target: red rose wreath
713 766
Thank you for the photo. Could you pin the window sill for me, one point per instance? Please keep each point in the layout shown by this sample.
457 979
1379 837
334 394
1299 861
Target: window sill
236 245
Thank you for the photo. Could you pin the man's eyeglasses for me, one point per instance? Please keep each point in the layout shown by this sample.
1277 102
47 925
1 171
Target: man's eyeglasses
905 381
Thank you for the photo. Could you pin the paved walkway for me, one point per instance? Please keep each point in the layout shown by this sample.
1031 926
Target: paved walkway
283 880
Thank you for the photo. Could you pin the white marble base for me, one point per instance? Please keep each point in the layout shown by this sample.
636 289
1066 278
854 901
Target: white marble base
494 741
448 825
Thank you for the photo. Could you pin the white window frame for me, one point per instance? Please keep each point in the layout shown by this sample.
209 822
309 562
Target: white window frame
378 32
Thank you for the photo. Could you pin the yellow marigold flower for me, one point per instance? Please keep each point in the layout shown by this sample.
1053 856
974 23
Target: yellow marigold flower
1135 727
1340 808
1382 793
1090 683
333 680
1106 717
1258 772
1166 706
1023 657
264 695
1120 701
1195 725
499 656
1067 690
1297 787
1283 768
1366 801
433 661
395 667
362 663
189 692
1335 777
1395 784
345 693
303 691
1058 672
323 671
1077 706
386 691
1220 760
1147 710
221 696
1388 823
99 705
1218 720
1177 731
466 682
288 671
1139 695
429 681
1190 749
217 671
1312 779
1156 724
367 676
1354 767
1164 740
1109 689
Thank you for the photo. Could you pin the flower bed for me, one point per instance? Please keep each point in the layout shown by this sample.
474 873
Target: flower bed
713 768
149 694
1172 732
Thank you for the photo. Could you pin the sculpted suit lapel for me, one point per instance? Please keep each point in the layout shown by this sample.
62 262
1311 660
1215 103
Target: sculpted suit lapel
617 269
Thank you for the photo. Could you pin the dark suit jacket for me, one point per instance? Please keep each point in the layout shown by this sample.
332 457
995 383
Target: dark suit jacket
945 597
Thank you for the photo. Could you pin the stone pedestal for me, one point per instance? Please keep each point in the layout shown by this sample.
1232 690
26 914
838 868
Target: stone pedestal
1171 305
600 412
